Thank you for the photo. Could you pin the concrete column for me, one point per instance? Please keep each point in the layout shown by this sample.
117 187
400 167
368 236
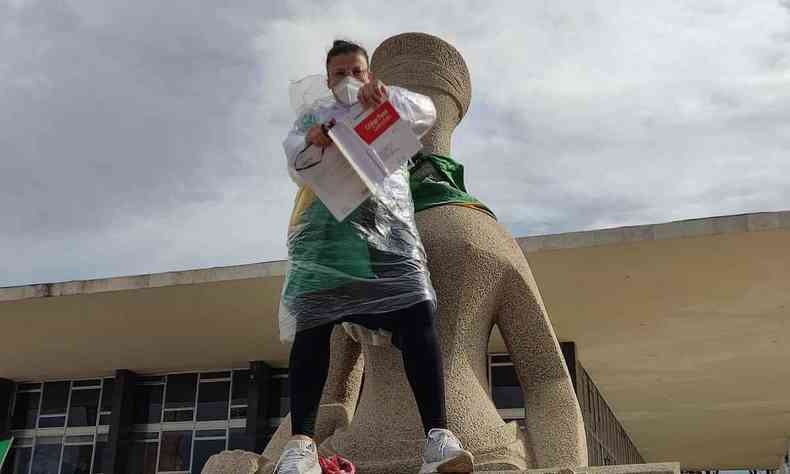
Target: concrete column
7 389
258 415
121 421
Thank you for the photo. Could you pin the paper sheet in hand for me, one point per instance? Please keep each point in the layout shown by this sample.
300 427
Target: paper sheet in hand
369 145
333 180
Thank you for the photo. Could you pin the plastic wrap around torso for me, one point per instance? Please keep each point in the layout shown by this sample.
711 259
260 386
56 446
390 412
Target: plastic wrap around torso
371 263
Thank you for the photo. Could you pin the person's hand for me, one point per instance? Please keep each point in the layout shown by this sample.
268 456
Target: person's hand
316 136
372 94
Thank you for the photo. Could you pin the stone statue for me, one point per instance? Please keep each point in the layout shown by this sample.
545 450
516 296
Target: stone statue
481 279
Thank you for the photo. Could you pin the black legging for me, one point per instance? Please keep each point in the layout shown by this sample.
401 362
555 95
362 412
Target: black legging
414 333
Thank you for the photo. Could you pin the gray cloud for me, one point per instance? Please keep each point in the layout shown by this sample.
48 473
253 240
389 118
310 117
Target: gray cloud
145 136
105 118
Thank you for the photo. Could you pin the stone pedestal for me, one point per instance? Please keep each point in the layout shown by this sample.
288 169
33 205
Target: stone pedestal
233 462
240 462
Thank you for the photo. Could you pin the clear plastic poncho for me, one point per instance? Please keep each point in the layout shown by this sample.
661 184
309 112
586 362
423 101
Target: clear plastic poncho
372 262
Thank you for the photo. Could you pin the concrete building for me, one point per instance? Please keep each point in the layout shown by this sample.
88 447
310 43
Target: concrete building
675 335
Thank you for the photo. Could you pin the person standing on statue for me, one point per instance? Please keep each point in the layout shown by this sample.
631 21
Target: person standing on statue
369 270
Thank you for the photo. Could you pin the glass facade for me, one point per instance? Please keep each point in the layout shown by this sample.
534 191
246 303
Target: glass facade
77 459
84 407
213 400
279 404
142 456
176 452
26 410
179 420
18 460
60 427
46 455
148 403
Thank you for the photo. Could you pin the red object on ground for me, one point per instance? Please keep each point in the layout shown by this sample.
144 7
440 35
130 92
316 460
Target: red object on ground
336 465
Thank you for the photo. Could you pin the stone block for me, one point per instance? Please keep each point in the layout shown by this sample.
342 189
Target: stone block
232 462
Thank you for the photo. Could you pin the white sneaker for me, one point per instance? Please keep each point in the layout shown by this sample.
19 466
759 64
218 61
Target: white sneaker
298 457
444 453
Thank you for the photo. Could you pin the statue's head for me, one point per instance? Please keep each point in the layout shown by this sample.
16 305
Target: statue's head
431 66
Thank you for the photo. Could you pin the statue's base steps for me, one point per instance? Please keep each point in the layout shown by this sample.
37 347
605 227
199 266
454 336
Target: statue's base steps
242 462
653 468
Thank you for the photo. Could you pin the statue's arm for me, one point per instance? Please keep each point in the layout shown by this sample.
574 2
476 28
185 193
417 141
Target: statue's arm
553 418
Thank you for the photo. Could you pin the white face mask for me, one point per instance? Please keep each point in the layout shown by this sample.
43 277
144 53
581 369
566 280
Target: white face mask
346 90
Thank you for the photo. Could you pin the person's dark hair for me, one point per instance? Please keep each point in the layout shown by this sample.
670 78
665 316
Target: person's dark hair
340 47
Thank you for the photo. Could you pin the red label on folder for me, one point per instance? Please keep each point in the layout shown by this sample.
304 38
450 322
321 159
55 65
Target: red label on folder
377 122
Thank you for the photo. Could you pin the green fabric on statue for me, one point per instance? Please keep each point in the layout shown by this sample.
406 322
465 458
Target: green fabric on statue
439 180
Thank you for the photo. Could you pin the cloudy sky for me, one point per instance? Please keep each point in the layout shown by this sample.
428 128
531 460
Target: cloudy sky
145 136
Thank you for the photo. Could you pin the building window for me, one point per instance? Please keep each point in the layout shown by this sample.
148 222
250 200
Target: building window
54 404
213 397
84 406
180 420
60 426
18 461
176 451
238 399
185 418
26 410
504 387
143 453
279 400
180 402
101 455
108 386
77 455
46 455
148 402
204 449
238 439
55 399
